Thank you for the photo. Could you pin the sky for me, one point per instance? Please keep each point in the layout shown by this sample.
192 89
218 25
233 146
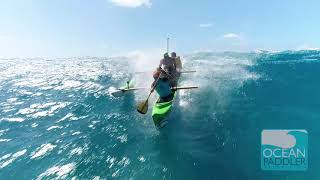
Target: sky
32 28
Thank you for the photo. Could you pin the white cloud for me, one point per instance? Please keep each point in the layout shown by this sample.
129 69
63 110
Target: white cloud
132 3
232 36
205 25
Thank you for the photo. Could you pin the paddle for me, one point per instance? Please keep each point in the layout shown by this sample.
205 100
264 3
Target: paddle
143 106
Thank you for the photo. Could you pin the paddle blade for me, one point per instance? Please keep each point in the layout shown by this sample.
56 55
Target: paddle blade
143 107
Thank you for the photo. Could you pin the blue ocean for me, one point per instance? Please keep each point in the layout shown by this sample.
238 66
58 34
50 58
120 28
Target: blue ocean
58 120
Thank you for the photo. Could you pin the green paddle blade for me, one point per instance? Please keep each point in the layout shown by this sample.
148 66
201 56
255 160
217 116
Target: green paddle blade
143 107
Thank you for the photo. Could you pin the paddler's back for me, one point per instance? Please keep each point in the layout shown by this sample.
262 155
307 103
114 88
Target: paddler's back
163 88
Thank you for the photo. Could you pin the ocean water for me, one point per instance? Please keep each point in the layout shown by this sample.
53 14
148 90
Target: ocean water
58 121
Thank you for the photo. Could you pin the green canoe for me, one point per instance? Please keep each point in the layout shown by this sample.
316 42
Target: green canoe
161 110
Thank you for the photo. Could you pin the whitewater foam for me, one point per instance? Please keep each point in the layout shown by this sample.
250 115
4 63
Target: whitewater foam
60 172
42 151
11 158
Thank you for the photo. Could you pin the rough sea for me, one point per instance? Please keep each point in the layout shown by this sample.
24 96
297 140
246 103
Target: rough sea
58 121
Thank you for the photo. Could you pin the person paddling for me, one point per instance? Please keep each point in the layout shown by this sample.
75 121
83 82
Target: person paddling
177 60
168 64
162 87
178 69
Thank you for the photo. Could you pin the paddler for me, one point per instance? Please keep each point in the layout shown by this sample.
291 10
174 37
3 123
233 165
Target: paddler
168 64
177 61
162 87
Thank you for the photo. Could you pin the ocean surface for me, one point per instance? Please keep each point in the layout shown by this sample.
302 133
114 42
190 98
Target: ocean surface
58 121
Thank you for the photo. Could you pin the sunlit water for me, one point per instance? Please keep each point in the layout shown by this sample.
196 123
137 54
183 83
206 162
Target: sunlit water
57 119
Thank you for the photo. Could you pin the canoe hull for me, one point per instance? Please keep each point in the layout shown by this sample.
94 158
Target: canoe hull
160 111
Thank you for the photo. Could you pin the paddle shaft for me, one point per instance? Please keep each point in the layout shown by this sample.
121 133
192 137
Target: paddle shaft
154 86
